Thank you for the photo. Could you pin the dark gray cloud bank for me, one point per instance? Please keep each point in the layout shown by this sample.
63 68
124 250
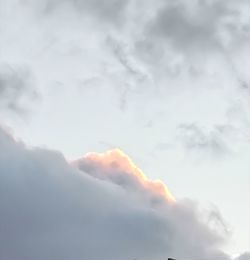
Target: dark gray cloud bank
52 210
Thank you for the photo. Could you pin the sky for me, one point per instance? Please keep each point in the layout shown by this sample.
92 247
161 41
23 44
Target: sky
124 129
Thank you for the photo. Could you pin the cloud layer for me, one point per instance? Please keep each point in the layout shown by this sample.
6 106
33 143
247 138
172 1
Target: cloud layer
178 70
51 210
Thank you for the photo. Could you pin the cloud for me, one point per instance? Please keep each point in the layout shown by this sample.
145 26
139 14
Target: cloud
199 26
195 37
52 210
117 167
110 11
217 140
194 137
16 88
245 256
135 78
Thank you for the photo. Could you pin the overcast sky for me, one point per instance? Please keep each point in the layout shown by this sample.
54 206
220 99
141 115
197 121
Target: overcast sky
166 82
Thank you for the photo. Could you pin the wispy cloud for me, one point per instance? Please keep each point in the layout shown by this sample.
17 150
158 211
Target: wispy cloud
196 138
17 88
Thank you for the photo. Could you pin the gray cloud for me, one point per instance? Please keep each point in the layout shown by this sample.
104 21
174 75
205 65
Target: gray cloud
111 11
124 57
16 88
194 37
51 210
194 137
245 256
134 77
199 26
217 141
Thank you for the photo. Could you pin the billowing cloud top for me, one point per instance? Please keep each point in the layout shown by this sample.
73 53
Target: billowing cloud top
117 167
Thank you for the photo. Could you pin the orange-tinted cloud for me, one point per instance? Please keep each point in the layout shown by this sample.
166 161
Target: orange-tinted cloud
117 167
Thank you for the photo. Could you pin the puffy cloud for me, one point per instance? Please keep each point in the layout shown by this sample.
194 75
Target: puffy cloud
117 167
52 210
